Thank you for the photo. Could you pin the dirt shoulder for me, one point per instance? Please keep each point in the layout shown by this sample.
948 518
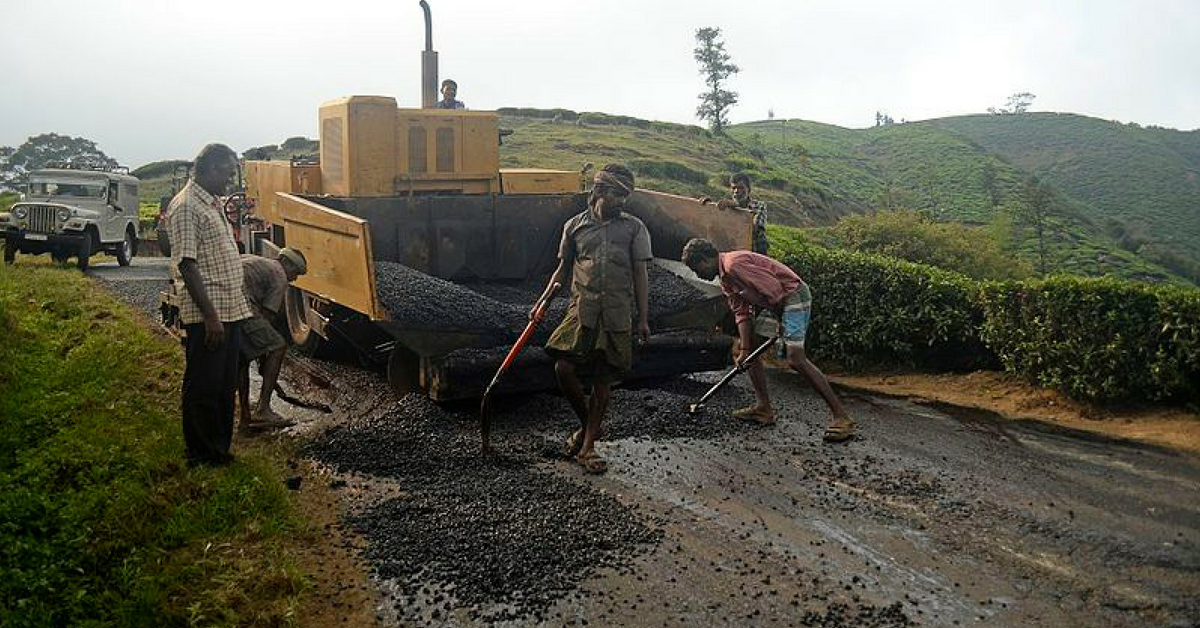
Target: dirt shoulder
1013 398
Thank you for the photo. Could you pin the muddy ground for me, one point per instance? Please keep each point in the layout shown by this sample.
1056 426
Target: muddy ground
932 516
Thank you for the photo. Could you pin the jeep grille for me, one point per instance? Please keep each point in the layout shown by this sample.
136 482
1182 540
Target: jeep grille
43 219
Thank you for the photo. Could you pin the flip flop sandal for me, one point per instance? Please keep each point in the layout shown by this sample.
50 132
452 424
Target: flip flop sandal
838 432
573 445
753 415
593 463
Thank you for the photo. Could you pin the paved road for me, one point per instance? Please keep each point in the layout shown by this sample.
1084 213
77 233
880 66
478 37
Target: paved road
932 517
139 283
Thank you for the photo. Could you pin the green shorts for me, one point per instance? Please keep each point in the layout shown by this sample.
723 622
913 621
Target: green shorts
259 338
599 356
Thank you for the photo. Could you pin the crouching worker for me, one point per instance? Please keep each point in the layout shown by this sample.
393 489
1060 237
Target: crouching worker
605 252
752 280
266 282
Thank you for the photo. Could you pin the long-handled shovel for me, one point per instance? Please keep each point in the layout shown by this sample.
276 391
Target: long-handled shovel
738 368
485 419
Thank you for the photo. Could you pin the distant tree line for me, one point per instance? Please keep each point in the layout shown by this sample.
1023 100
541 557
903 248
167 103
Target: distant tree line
41 150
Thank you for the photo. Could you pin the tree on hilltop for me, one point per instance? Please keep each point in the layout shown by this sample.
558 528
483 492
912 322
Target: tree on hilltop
1017 103
715 66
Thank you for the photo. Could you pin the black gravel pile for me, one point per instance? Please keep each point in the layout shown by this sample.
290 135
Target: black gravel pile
668 293
419 301
496 537
507 544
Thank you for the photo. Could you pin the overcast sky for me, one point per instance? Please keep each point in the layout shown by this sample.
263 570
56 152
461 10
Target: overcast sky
156 79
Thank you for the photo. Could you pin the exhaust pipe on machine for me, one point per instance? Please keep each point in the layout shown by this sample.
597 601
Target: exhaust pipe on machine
429 64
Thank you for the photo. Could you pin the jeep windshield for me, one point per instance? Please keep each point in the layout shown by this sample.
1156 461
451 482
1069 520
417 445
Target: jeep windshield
73 189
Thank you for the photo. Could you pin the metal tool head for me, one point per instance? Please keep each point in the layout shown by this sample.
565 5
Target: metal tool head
695 408
485 423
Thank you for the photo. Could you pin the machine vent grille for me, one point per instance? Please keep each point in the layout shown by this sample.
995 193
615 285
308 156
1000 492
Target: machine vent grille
445 149
418 158
331 150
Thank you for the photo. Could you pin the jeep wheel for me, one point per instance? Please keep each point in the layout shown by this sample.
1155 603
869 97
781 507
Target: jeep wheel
84 252
10 252
125 251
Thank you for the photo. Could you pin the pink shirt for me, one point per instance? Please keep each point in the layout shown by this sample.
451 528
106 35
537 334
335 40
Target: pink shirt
750 279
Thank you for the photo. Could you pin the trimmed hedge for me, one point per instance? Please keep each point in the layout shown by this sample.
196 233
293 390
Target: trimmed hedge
1094 339
1101 339
875 310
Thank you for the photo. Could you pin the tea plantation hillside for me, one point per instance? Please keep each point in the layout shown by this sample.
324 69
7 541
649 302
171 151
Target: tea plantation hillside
1141 184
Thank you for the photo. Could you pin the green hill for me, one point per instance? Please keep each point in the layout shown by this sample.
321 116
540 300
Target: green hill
1109 216
1141 184
812 174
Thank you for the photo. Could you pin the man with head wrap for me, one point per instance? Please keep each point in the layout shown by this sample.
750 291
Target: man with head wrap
604 251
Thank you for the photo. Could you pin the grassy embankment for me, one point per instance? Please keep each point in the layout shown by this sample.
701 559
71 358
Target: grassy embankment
100 523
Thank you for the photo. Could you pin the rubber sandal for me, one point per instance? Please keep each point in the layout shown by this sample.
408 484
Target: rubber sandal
839 431
573 445
593 463
753 415
264 425
744 412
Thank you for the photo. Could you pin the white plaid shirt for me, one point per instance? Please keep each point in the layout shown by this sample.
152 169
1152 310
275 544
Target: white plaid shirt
198 230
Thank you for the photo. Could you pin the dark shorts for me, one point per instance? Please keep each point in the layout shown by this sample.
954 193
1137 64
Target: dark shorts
259 338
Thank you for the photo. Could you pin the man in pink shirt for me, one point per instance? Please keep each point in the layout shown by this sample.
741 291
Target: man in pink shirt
751 280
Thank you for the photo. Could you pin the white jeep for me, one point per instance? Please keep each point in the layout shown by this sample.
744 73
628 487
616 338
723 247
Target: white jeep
74 211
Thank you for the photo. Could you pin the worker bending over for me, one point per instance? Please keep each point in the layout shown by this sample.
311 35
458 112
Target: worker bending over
605 252
750 280
266 283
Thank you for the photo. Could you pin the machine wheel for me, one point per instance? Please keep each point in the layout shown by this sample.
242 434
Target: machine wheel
404 371
295 305
10 252
84 253
125 251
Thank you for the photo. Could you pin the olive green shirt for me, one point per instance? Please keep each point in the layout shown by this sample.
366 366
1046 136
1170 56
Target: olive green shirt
601 254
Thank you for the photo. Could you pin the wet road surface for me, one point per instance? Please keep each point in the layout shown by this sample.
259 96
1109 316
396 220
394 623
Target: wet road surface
930 516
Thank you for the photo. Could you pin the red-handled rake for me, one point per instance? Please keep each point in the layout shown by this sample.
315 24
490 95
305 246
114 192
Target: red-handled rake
485 419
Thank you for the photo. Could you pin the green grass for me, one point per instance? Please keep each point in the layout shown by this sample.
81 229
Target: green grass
7 199
100 523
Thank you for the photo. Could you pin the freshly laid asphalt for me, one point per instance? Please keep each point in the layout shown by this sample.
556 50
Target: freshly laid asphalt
930 516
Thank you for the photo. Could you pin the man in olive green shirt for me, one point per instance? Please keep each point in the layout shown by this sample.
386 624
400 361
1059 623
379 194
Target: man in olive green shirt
605 252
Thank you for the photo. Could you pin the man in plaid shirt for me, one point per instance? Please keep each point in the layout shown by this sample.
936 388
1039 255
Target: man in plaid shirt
205 260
